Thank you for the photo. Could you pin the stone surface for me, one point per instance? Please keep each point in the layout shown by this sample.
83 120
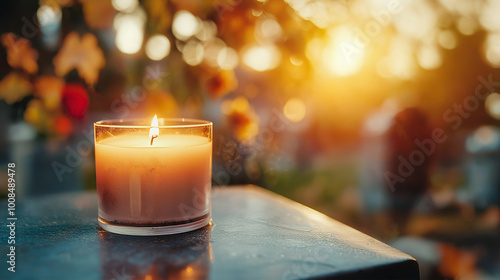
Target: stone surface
255 234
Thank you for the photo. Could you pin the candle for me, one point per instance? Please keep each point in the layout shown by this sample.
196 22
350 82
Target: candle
153 182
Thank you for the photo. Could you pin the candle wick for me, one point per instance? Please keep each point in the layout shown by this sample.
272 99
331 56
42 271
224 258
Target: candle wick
154 132
152 138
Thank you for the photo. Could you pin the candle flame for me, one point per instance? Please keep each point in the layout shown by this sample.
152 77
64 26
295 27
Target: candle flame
154 131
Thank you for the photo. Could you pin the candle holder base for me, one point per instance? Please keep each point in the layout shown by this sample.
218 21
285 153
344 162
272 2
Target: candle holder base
152 230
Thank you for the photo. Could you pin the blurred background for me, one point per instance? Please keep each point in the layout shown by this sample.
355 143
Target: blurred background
381 114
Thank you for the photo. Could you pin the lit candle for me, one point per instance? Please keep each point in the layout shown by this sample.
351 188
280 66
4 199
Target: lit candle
153 185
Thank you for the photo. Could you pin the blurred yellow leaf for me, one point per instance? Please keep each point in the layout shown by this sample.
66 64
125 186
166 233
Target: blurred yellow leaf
81 53
36 115
14 87
49 90
20 55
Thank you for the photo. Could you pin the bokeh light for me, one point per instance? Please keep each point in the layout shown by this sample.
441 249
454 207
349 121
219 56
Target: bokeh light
212 49
466 25
227 58
447 39
129 35
318 89
262 58
268 29
489 18
417 19
157 47
296 61
400 61
484 138
48 15
125 5
185 25
492 104
342 56
49 18
207 30
321 13
295 109
429 58
192 53
492 49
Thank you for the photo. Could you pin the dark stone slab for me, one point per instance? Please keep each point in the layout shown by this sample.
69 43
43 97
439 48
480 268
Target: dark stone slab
255 234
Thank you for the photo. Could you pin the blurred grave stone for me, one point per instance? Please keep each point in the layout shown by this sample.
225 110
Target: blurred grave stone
35 159
483 167
373 157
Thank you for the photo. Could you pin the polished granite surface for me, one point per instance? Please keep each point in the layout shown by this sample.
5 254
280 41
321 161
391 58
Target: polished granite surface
255 234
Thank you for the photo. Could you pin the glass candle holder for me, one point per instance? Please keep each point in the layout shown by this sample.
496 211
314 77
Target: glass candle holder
153 179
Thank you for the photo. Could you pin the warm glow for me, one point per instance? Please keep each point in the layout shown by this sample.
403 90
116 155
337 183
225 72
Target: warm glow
466 25
489 15
124 5
138 16
400 61
129 34
257 13
492 49
447 39
227 58
212 50
185 25
192 53
342 56
154 131
48 15
429 58
493 105
296 61
188 271
262 58
417 19
295 109
321 13
238 104
207 30
383 68
157 47
269 29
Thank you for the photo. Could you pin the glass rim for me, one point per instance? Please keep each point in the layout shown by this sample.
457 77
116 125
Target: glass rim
176 123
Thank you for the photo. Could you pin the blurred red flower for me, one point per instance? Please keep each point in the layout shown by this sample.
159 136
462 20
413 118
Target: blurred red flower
241 118
222 83
76 100
63 126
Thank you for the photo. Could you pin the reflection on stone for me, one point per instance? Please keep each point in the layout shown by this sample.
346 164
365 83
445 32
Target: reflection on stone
181 256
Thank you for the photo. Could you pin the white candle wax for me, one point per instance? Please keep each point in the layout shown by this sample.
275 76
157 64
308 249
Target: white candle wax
164 183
